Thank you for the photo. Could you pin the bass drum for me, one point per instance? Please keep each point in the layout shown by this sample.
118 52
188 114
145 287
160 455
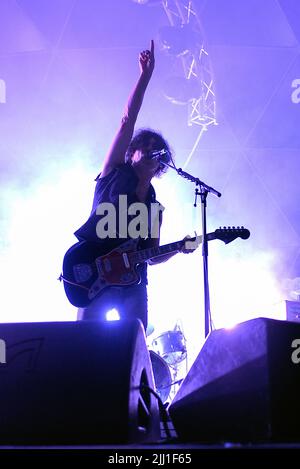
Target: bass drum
162 376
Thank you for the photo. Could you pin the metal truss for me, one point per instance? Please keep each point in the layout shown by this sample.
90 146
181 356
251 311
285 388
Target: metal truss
196 64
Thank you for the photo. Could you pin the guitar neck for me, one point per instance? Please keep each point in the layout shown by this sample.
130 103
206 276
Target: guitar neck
224 234
150 253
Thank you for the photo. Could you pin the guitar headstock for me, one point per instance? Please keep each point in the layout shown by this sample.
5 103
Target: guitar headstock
230 233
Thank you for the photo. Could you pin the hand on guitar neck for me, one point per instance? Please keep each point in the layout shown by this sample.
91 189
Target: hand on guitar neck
189 245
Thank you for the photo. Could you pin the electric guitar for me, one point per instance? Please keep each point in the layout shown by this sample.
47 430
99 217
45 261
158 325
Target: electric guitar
88 268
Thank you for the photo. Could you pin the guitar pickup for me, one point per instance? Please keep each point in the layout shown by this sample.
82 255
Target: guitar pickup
126 261
99 266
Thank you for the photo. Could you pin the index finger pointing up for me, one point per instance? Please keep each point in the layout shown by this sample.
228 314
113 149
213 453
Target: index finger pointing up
152 47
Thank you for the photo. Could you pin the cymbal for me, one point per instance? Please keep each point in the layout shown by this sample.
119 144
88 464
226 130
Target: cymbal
149 330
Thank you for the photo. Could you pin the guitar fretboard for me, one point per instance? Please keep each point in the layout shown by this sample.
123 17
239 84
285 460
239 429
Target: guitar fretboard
226 234
150 253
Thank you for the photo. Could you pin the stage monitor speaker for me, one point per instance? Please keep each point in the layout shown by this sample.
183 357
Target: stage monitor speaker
243 386
76 383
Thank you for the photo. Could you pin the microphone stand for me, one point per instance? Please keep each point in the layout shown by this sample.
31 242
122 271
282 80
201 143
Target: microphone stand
201 190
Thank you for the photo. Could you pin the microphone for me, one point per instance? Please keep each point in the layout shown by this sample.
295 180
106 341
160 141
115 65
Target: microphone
158 154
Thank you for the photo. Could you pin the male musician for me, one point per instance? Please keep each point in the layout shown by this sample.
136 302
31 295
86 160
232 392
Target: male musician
127 171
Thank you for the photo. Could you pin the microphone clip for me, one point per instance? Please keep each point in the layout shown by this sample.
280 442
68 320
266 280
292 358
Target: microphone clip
157 154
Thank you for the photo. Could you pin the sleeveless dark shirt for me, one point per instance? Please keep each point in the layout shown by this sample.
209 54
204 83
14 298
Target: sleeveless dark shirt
122 180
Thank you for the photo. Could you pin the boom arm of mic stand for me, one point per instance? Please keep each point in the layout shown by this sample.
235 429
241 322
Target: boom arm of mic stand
191 178
198 182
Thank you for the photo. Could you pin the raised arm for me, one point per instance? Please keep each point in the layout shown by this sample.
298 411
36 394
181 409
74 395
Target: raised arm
123 138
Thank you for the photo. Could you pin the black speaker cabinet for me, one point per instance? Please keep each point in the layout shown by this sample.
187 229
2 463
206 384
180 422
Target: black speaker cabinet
76 383
243 386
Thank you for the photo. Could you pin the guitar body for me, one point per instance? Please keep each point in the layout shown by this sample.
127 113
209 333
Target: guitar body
88 269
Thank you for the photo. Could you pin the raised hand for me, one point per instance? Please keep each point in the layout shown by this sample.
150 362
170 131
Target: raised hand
147 60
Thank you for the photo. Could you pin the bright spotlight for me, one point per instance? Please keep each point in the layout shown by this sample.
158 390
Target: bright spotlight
112 315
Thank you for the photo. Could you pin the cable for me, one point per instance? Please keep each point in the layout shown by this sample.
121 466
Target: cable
163 411
61 277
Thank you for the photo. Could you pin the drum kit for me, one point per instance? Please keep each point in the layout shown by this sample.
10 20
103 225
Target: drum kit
168 350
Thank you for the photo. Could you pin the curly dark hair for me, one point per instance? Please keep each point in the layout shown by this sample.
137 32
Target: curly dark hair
141 140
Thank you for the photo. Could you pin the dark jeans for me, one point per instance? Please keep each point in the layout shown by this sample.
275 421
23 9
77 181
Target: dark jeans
130 302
